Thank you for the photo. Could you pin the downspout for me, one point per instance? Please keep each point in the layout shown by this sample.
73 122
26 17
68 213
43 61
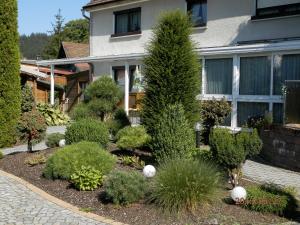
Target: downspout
91 72
85 16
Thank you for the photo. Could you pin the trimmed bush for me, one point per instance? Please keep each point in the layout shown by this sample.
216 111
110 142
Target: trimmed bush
184 184
81 111
203 153
171 71
228 153
132 138
10 88
213 113
27 103
119 121
270 199
87 130
64 162
173 136
52 140
32 127
86 178
250 141
123 188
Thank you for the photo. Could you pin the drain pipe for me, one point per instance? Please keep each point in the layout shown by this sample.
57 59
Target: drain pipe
83 14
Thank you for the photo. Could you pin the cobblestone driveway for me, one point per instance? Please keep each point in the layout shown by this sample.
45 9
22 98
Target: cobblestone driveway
21 206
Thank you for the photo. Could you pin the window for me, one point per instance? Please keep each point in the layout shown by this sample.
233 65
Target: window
255 75
247 110
276 8
119 77
219 76
286 67
278 113
128 22
198 11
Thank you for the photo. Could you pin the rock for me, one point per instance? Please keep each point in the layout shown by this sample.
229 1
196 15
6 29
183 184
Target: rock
213 221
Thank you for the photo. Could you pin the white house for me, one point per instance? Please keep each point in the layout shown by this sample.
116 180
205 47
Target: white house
248 48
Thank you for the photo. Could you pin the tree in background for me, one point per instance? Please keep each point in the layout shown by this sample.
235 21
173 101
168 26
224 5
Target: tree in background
171 70
52 48
76 31
10 88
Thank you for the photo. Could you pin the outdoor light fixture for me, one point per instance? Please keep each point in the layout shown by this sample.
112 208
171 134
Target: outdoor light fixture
238 195
149 171
62 143
198 129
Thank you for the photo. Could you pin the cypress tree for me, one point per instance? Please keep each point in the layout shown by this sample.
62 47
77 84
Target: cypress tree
9 72
172 70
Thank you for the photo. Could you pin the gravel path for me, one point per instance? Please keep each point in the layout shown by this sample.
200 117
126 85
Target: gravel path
37 147
21 206
268 174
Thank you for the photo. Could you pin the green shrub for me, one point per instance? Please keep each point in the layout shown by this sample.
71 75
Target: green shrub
27 100
184 184
64 162
1 155
10 88
213 113
228 152
53 115
250 141
203 153
171 71
81 111
118 122
86 178
87 130
52 140
173 136
270 199
132 137
123 187
133 161
32 127
36 159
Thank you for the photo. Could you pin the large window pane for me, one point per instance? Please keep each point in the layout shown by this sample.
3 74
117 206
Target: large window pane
247 110
128 21
286 67
278 113
219 76
121 23
198 11
255 75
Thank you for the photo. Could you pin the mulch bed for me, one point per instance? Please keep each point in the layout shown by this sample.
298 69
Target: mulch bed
135 214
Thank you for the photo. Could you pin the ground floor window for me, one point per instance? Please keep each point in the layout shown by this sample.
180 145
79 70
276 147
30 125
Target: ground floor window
248 110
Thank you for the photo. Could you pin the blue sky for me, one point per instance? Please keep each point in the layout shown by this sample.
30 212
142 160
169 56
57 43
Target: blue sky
37 15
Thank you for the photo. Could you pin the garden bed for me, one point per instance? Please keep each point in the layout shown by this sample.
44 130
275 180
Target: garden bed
139 213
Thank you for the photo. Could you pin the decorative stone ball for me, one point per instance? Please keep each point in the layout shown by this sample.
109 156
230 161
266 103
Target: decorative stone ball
62 143
238 194
149 171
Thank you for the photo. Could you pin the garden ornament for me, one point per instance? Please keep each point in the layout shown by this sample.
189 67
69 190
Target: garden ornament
238 195
62 143
149 171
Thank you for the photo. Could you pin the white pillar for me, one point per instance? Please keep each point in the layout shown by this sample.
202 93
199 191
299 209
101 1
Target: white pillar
235 90
126 100
52 86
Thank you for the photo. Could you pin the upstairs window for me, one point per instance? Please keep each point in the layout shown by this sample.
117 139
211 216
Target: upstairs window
276 8
198 12
128 22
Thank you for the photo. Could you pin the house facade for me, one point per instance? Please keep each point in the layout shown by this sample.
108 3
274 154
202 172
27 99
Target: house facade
248 49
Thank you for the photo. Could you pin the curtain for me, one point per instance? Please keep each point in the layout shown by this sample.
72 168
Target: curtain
286 67
255 75
121 23
219 76
278 113
135 21
247 110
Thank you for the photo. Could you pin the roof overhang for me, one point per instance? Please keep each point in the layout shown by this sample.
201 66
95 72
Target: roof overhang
91 7
32 71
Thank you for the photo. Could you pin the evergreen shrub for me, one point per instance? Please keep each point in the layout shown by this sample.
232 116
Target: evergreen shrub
52 140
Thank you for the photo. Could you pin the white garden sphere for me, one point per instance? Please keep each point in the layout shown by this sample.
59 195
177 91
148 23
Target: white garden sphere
238 194
62 143
149 171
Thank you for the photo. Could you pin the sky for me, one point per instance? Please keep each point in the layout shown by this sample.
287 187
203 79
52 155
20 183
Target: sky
37 15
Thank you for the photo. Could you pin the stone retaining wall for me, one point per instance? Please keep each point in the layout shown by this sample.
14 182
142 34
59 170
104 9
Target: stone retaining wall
282 147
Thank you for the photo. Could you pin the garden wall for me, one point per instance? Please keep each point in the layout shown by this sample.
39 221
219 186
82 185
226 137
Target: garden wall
282 147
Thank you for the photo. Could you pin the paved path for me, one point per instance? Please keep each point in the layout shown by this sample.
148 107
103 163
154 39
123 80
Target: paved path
268 174
21 206
37 147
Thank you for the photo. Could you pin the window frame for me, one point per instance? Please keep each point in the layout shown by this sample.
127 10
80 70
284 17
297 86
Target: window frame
283 11
189 7
127 12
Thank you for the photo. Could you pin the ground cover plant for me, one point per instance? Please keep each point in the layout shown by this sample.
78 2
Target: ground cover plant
184 184
35 159
63 163
53 115
52 140
132 138
123 188
87 130
171 70
133 161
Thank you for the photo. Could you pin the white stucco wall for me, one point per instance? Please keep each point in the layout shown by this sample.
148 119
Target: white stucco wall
229 21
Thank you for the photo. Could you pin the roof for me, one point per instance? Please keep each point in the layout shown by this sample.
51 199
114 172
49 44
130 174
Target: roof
32 71
76 50
93 3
